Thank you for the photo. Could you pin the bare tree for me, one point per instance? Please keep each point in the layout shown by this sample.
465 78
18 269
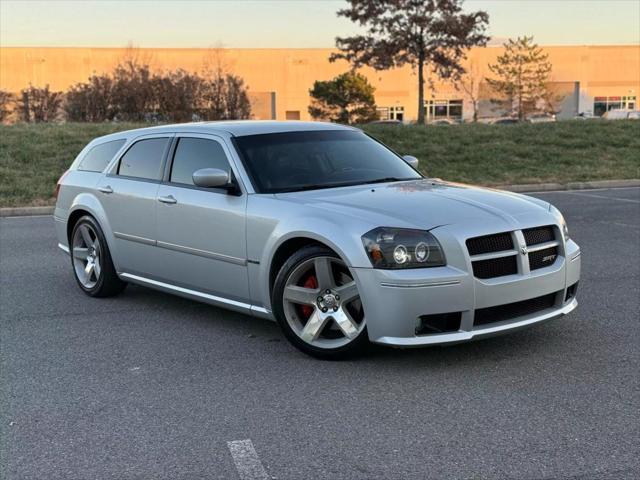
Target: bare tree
426 34
551 100
215 62
225 95
469 84
133 55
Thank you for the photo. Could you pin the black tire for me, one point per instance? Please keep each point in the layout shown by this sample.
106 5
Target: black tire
356 346
107 283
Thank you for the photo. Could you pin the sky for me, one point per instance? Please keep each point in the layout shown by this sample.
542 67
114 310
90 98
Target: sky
287 23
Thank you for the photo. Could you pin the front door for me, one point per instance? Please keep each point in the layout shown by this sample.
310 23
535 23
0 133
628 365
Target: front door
128 196
201 231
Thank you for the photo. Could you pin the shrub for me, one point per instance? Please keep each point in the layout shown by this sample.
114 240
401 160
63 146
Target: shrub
177 96
6 99
133 93
91 101
225 98
39 104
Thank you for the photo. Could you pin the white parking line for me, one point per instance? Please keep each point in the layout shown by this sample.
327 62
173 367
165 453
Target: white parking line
605 197
247 461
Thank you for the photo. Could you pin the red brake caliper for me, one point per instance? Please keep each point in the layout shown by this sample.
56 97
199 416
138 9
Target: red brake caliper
311 282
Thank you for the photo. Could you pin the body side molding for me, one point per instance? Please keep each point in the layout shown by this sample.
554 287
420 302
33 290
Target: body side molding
201 296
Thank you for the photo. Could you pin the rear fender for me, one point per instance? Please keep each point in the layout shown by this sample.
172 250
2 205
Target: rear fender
89 203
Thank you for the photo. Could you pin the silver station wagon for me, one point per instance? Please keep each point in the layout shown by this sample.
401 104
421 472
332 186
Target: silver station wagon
316 226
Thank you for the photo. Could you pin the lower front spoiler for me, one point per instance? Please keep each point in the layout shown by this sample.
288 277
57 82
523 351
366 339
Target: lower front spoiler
481 332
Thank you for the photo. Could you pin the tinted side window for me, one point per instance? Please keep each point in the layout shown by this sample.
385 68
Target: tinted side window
144 159
97 159
193 154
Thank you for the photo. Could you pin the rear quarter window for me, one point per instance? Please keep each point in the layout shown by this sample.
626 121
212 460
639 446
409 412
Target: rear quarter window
97 159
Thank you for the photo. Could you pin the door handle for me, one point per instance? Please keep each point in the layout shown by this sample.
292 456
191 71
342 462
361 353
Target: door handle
167 199
106 189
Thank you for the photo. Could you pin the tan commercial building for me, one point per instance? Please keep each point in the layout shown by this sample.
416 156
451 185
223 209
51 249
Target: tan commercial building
585 79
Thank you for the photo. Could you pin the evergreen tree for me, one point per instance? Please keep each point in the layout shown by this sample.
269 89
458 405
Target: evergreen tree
522 76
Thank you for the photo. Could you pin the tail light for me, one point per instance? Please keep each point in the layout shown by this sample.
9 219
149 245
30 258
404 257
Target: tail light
60 182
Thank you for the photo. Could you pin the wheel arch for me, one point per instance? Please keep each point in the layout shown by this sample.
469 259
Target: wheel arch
286 247
87 204
284 252
73 218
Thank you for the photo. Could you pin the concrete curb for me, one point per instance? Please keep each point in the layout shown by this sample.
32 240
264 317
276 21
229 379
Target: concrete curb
533 187
549 187
25 211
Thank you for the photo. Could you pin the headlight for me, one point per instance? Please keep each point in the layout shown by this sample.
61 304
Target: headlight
393 248
563 224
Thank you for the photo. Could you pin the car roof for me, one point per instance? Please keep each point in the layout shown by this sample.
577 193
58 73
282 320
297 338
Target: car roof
236 128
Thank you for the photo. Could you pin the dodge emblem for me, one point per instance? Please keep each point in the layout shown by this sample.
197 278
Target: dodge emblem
523 249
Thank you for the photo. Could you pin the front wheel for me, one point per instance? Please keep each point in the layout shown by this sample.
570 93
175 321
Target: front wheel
317 304
91 260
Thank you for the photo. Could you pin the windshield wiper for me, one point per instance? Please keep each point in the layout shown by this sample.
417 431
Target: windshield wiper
302 188
389 179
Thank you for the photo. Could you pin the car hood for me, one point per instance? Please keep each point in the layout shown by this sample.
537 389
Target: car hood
424 203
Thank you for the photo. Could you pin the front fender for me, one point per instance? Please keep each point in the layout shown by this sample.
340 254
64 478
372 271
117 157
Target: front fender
267 237
272 246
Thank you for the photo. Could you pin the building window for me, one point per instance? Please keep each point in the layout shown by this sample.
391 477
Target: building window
396 113
437 109
391 113
601 105
292 115
383 113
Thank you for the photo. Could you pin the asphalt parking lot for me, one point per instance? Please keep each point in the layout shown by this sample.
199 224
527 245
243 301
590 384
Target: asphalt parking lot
150 386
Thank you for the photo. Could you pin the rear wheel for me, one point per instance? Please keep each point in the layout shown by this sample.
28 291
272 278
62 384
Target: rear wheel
91 260
317 304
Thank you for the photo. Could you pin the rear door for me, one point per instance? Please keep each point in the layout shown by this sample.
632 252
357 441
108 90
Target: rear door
128 195
201 231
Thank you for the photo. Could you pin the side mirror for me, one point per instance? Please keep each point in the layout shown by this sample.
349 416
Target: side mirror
212 178
411 160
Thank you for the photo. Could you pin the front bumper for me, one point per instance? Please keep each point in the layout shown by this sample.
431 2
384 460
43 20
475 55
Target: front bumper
396 300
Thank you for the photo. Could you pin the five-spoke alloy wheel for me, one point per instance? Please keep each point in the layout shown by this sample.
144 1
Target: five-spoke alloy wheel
86 255
91 260
317 304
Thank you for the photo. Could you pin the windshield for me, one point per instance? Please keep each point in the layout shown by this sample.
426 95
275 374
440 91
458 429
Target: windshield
293 161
